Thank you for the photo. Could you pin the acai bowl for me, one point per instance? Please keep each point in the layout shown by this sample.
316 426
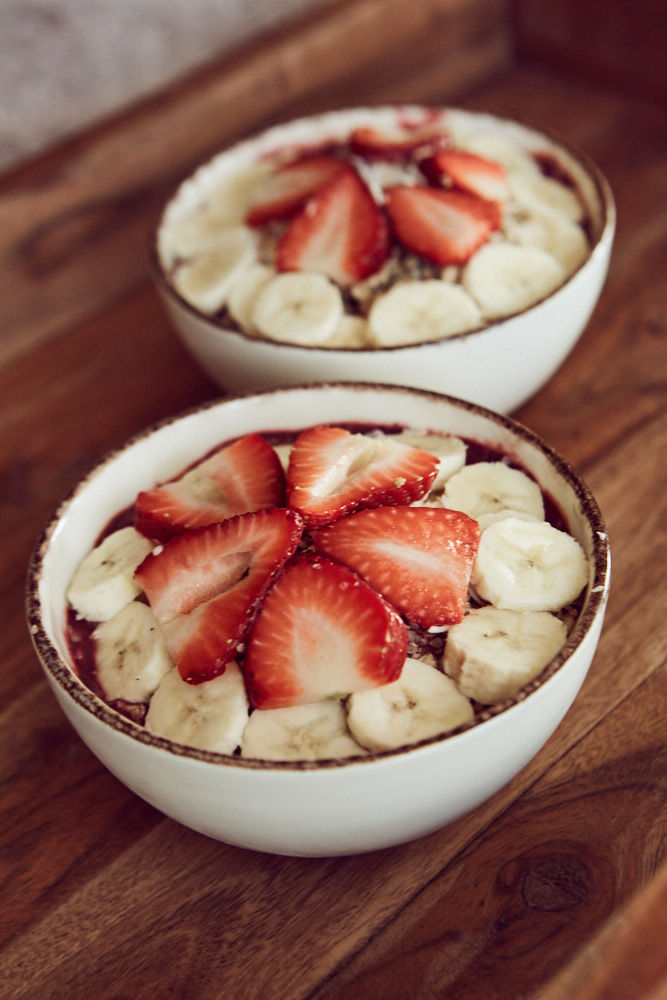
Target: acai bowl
352 800
438 248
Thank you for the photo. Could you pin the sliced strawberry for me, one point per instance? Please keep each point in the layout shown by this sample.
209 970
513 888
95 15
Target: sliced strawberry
205 585
287 189
445 227
332 471
243 476
321 633
340 232
399 143
419 558
468 172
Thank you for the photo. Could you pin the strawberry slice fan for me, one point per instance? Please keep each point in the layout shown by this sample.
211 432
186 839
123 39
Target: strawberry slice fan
336 228
328 621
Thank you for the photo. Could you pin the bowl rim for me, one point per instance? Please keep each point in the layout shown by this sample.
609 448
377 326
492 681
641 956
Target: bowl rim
63 674
601 185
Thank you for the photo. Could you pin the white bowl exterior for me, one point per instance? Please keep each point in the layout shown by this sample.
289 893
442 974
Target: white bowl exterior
362 806
325 810
499 367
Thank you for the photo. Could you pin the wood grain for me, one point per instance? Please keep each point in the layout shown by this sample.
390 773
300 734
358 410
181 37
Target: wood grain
74 227
105 899
552 869
626 958
620 43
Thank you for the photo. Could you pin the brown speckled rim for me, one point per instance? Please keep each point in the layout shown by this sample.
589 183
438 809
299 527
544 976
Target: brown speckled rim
606 231
61 673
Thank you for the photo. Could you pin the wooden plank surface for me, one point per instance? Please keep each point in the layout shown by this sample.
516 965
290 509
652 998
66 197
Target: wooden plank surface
626 958
104 899
612 40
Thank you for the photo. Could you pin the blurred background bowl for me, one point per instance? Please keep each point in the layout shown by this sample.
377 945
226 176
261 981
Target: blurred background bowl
500 365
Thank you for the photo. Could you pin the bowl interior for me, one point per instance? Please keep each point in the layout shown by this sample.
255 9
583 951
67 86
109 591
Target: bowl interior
165 450
336 126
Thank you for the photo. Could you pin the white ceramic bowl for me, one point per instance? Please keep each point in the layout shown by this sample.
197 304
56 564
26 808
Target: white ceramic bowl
312 809
499 366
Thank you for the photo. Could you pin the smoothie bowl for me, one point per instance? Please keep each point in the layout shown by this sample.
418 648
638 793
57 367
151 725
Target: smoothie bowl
321 620
437 248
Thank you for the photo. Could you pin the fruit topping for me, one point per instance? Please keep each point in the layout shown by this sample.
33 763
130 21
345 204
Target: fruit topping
526 565
340 232
317 731
506 277
412 312
209 716
492 653
467 172
241 477
419 558
205 585
420 704
398 143
489 487
445 227
388 585
207 279
332 472
298 308
104 581
287 189
321 633
491 225
131 655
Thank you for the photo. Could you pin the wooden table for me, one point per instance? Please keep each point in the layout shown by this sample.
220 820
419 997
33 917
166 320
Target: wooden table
555 888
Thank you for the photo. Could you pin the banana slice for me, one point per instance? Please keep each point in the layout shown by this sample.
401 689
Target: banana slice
350 334
501 150
300 732
298 308
194 234
206 280
450 452
130 654
489 487
535 190
505 278
421 703
484 520
553 231
415 311
242 296
222 207
231 197
492 654
104 580
208 716
528 566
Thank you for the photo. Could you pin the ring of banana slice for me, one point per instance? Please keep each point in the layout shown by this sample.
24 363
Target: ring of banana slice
527 578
